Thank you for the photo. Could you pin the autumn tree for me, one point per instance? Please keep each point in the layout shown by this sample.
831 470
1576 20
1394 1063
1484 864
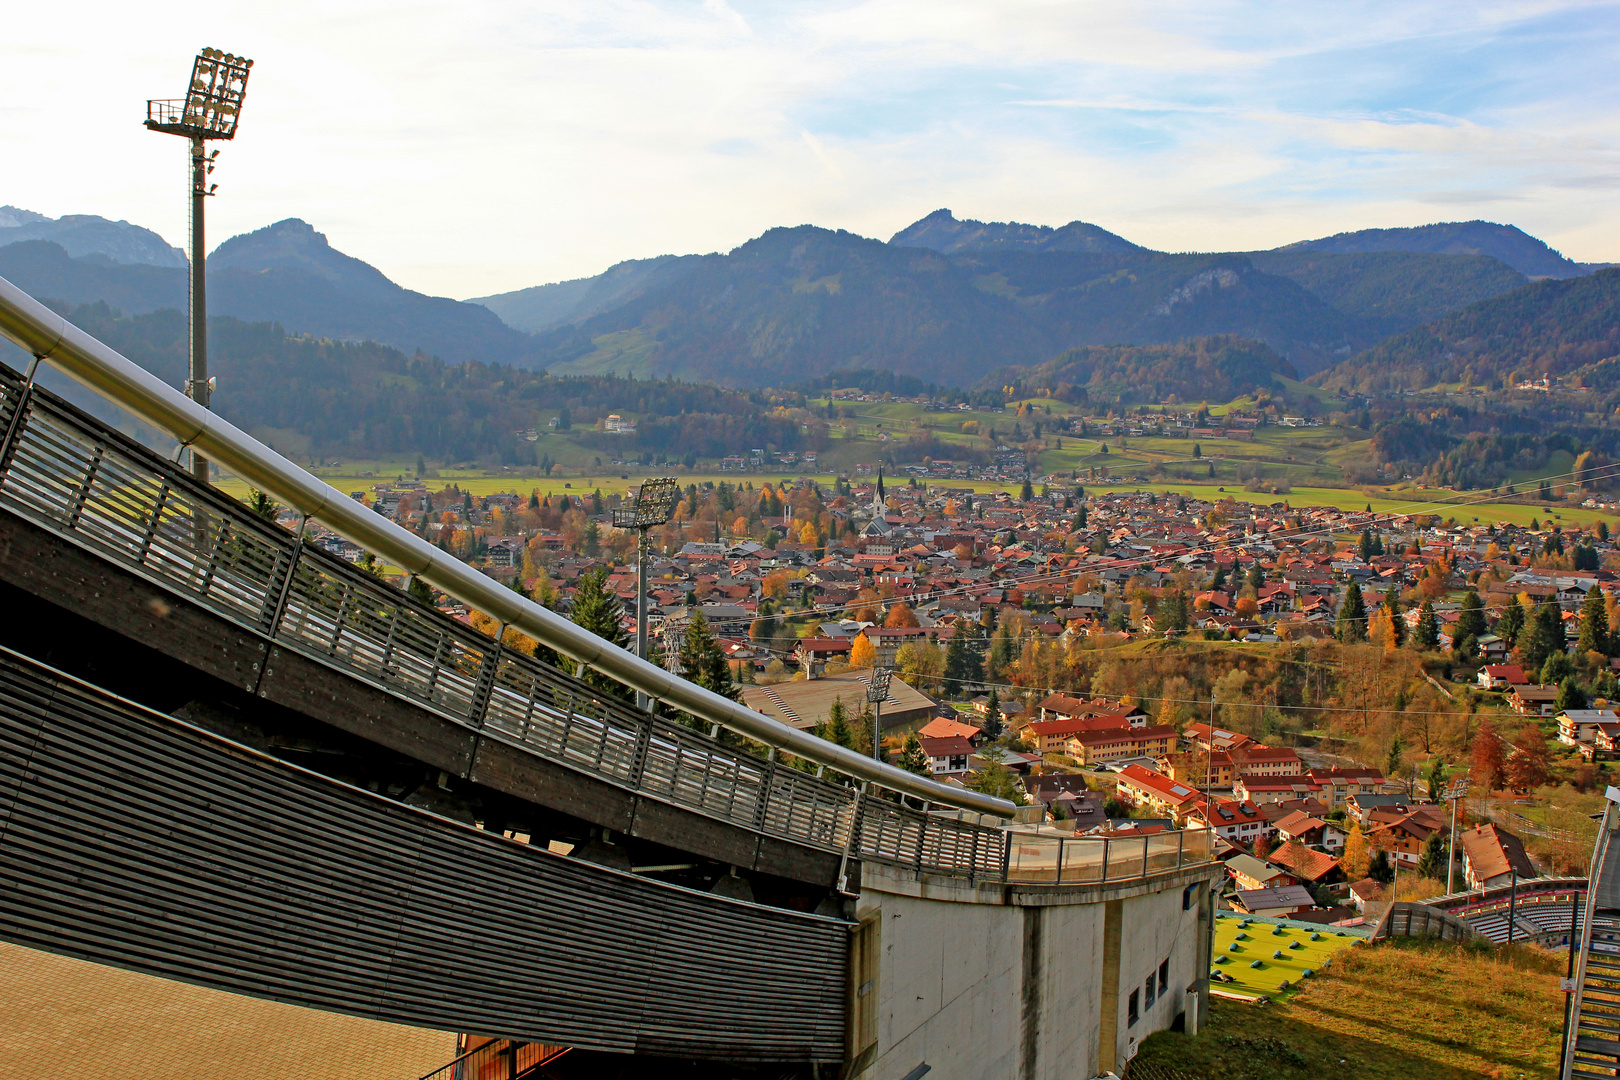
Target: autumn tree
862 654
1354 859
1489 759
900 616
1528 766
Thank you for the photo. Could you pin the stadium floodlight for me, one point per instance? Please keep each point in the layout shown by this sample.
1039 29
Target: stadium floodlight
877 692
653 506
1454 792
211 109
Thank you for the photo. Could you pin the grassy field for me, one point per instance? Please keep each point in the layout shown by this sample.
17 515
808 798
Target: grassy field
1408 1010
1237 946
1464 506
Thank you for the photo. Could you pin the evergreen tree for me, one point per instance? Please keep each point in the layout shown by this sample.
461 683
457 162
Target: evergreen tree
911 757
1511 623
1257 575
1570 696
1218 582
1436 779
1595 624
1003 651
1427 635
1393 766
994 778
1471 617
1365 548
836 729
992 716
1379 868
1432 863
1028 491
1545 634
956 669
1080 522
1352 624
702 661
597 609
1173 612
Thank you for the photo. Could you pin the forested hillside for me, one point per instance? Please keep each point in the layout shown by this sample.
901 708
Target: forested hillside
316 396
1550 328
1206 369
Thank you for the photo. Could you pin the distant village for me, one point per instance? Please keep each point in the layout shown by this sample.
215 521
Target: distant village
807 588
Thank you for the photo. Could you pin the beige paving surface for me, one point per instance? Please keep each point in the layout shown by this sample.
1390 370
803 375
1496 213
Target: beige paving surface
62 1017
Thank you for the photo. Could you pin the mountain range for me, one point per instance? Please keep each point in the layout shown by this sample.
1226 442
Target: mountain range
285 273
945 300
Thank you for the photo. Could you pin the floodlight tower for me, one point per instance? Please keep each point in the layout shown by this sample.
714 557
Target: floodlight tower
1453 794
877 692
210 110
653 506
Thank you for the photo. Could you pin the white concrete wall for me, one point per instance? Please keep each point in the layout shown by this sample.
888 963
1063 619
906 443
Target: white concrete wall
951 980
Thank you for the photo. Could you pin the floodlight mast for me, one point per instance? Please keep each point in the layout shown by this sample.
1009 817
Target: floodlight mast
211 109
1457 790
653 506
877 692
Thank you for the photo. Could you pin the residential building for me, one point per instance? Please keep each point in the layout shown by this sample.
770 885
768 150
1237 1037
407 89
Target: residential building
1492 856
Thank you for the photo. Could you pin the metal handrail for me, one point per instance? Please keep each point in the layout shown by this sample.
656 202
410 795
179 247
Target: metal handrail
53 339
1572 1013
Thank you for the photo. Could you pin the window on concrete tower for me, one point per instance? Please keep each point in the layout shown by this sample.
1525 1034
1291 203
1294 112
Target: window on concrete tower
1131 1010
1147 993
1164 977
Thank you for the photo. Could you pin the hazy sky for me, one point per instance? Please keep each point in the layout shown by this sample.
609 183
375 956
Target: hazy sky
476 147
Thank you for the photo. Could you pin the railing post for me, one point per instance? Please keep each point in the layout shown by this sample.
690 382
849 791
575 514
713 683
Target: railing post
638 756
1106 843
767 784
1181 849
1059 879
152 526
285 589
83 493
852 841
1145 856
1006 854
14 429
485 689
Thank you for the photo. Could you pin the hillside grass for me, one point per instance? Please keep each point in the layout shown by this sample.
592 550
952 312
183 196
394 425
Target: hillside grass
1403 1010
